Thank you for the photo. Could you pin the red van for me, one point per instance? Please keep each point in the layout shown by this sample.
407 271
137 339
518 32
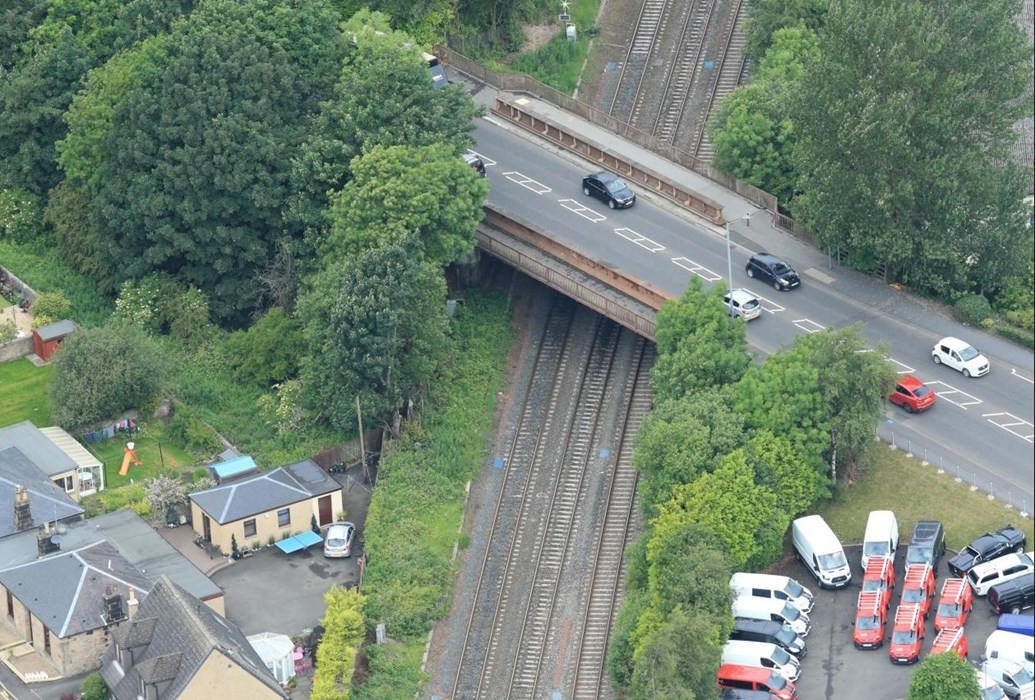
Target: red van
756 678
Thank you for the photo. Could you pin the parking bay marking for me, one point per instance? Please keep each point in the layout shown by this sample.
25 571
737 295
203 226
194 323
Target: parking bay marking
527 182
906 369
583 211
769 305
965 399
699 270
807 325
640 240
485 159
1010 423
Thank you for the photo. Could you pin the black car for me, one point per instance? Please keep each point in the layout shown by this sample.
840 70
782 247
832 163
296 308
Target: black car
608 188
927 544
771 270
1012 596
986 548
770 632
476 163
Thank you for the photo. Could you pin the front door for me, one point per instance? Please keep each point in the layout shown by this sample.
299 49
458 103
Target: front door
324 507
206 526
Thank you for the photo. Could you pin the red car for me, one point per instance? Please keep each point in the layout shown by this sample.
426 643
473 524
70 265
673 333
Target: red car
879 578
918 588
951 640
912 394
954 604
870 616
907 635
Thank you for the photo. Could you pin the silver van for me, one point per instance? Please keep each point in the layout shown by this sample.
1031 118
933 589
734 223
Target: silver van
772 586
771 609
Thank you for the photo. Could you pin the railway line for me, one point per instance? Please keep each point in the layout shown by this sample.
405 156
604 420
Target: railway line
550 565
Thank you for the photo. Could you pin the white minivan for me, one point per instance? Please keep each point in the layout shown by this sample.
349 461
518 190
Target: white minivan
1012 647
770 609
821 552
763 655
881 538
772 586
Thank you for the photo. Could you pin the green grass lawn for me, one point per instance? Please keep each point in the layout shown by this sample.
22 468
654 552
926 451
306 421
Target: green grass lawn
156 451
24 388
916 492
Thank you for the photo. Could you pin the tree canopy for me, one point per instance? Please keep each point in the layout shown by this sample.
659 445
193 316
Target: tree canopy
944 677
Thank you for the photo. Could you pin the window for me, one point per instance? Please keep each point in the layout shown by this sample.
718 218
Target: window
284 517
249 528
66 482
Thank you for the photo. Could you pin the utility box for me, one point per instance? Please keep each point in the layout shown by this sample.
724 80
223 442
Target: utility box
570 32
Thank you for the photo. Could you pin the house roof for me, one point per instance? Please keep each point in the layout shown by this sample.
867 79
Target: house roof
171 636
263 493
47 501
71 447
135 540
58 329
39 449
66 591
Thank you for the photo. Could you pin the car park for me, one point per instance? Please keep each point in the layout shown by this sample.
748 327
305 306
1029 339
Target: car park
954 604
610 189
879 578
951 639
983 576
986 548
927 545
338 543
1012 596
740 303
1011 646
756 678
773 271
763 655
776 633
870 617
918 587
881 538
960 356
907 635
1012 677
912 394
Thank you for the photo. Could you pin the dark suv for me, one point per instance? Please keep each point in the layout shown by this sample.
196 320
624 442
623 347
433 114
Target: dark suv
1013 596
927 545
771 270
770 632
986 548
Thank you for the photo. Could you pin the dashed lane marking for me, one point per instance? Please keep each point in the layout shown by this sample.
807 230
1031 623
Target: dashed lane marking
583 211
808 326
699 270
640 240
527 182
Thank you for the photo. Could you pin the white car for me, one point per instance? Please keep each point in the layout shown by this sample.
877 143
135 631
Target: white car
741 303
953 352
338 542
991 573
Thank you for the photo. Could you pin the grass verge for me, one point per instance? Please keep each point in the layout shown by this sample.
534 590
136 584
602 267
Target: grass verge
558 63
25 390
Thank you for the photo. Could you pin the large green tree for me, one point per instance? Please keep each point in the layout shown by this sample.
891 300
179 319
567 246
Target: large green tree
767 17
904 132
688 568
678 659
944 677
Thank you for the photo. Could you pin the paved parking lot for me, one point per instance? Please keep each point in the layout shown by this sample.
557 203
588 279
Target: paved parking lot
834 668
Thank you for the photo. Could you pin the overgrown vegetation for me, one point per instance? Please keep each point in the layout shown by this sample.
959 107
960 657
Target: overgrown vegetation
343 634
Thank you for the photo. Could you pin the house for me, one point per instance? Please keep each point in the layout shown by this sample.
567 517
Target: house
46 339
28 498
259 509
175 647
57 455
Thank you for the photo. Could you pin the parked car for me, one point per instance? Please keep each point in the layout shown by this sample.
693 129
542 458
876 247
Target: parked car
776 633
476 163
761 654
954 604
740 303
819 549
1011 646
610 189
881 538
951 639
870 616
983 576
756 678
772 586
986 548
960 356
776 610
1013 678
1012 596
927 544
918 588
1019 624
740 694
990 690
912 395
773 271
907 635
879 578
338 542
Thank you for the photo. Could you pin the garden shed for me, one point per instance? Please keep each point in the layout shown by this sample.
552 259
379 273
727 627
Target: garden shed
46 339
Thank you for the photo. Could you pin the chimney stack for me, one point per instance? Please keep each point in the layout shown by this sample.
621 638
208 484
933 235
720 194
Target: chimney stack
113 611
132 603
22 510
45 541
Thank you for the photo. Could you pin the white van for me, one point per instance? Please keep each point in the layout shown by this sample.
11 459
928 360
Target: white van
761 654
990 690
1013 678
881 538
771 609
821 552
772 586
1012 647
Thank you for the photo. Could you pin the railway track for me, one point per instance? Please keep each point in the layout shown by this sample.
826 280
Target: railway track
689 66
641 48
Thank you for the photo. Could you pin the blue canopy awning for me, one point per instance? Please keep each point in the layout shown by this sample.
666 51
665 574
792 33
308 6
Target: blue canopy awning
304 540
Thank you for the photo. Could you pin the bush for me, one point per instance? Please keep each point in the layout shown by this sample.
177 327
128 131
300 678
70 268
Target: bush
93 688
8 332
1022 318
972 309
50 307
20 218
132 496
197 435
1017 335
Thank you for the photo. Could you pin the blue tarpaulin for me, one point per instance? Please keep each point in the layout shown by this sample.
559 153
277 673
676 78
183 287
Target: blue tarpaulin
304 540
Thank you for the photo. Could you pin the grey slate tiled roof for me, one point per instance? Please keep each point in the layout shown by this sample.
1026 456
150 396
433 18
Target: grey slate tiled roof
183 634
66 591
263 493
47 501
37 447
58 329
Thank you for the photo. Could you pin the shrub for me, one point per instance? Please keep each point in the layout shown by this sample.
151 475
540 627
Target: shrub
93 688
8 332
50 307
972 309
1017 335
132 496
1022 318
198 436
20 218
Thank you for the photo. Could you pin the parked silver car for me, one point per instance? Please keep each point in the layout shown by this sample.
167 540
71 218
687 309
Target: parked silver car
338 543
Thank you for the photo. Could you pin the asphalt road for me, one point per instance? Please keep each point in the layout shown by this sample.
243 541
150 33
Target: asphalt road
982 427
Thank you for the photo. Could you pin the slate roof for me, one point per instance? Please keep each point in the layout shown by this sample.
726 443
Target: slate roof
37 447
66 591
169 639
48 502
263 493
58 329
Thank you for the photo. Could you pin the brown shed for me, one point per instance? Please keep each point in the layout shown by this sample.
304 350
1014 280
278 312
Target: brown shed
46 339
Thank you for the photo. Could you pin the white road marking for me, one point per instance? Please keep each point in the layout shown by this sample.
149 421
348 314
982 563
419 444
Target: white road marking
485 159
527 182
1021 376
642 241
954 395
699 270
769 305
807 325
1012 424
583 211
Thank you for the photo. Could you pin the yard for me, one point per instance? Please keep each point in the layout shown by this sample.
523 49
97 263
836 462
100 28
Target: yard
24 387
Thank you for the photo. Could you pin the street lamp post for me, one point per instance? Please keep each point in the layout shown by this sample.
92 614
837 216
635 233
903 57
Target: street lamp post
729 250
